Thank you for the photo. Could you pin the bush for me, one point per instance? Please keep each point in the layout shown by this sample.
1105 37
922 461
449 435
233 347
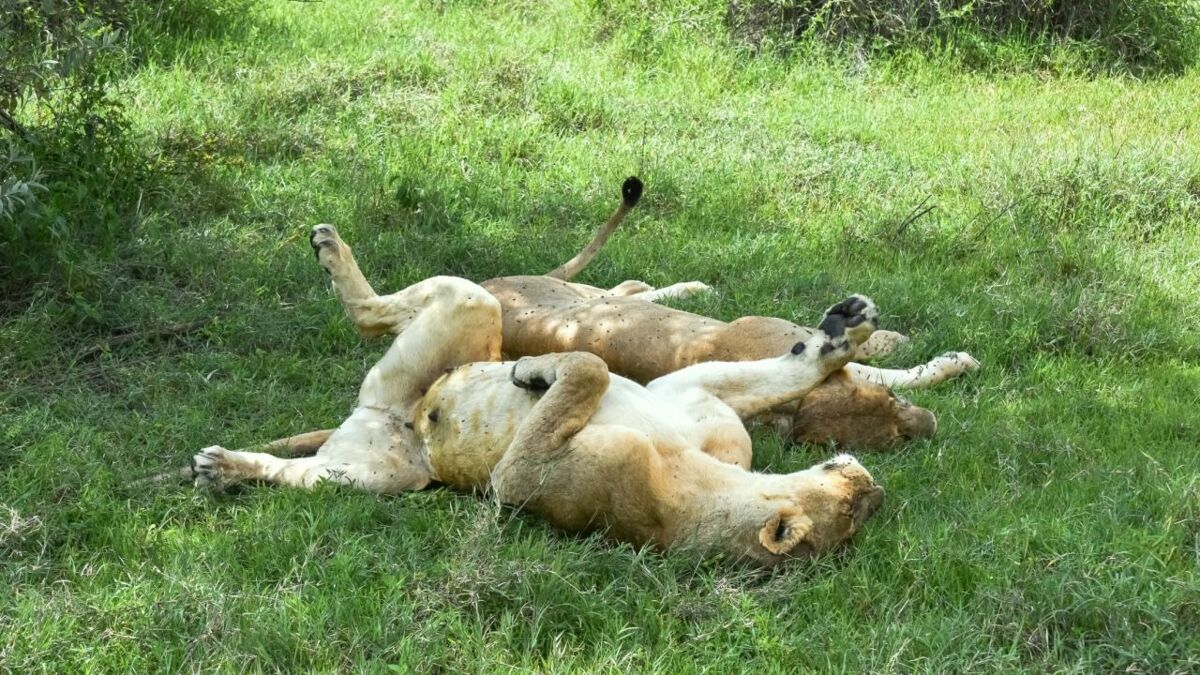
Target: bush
1137 35
70 169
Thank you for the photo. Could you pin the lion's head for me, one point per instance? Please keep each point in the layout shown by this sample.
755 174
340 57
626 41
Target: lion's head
859 414
815 510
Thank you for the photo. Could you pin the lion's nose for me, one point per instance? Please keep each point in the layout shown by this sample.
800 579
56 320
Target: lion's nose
918 423
866 504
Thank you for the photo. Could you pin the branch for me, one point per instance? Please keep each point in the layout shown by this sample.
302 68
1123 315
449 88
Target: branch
7 121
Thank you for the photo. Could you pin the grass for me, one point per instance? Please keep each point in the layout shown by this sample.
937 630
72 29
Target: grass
1052 525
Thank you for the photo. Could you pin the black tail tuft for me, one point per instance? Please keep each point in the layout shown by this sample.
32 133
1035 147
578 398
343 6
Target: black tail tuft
631 191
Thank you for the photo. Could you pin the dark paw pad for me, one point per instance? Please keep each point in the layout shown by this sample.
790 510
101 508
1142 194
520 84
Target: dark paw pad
532 383
207 467
830 347
851 312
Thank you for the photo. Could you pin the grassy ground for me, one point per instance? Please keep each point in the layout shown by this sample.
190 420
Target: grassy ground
1052 525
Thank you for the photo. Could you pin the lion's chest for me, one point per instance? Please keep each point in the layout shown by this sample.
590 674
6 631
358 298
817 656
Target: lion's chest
468 419
714 427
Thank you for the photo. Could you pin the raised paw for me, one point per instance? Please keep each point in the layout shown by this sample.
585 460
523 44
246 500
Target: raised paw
848 323
326 245
211 468
530 372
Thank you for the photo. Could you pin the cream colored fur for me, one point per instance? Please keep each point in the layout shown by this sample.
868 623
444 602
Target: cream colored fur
663 464
644 341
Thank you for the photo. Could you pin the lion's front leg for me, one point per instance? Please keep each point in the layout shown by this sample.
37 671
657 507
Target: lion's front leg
574 384
754 387
936 371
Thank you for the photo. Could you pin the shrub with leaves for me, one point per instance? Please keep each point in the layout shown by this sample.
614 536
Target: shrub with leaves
1138 35
69 166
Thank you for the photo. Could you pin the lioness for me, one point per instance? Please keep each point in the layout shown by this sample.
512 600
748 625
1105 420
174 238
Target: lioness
560 436
643 341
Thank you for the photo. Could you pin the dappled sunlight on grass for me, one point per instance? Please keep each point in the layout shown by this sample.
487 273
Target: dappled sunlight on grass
1049 526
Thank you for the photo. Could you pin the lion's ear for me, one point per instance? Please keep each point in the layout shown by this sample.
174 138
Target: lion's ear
783 531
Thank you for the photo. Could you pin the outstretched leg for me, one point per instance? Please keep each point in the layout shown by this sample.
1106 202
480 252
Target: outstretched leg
574 383
753 387
449 322
940 369
644 291
629 287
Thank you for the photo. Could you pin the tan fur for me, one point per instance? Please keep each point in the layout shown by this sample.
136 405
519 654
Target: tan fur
560 436
644 341
849 413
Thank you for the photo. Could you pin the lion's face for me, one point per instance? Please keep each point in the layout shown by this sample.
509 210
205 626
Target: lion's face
825 506
859 414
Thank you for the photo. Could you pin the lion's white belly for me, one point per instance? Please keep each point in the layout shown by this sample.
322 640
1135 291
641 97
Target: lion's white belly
468 419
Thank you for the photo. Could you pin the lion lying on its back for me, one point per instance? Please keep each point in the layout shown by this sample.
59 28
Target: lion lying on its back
642 340
559 436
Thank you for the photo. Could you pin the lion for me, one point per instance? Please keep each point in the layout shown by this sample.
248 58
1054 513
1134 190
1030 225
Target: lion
561 436
643 341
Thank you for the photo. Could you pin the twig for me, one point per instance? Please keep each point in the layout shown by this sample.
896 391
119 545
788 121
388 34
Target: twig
1016 201
165 331
916 213
7 121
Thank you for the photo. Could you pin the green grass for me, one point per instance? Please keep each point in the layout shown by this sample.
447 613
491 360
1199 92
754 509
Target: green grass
1052 525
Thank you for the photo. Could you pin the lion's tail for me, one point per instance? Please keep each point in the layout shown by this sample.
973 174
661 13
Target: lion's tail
631 192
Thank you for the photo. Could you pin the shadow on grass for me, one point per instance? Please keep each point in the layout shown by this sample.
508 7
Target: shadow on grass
165 32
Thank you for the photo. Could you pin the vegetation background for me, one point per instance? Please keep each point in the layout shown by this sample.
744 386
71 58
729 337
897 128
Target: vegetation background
1016 178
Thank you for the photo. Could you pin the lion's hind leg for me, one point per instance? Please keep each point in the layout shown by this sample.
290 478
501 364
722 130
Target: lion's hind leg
629 287
679 291
453 322
644 291
372 314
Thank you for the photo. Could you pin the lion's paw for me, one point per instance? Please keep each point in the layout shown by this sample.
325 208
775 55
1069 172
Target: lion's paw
211 467
531 372
957 363
848 324
881 343
690 288
326 245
